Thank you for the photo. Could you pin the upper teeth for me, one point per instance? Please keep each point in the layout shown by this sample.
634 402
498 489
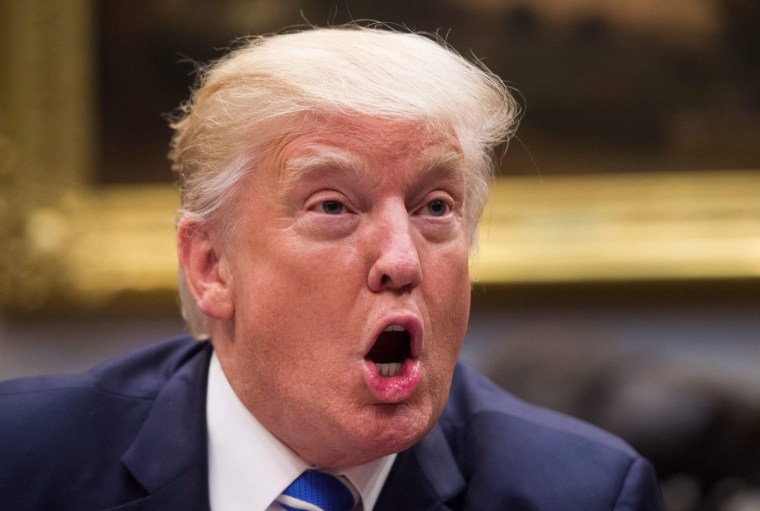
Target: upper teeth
395 328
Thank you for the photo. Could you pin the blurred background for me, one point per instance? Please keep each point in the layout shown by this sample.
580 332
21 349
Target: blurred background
618 273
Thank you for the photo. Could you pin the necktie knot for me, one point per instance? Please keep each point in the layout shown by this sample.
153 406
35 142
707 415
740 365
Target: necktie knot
317 491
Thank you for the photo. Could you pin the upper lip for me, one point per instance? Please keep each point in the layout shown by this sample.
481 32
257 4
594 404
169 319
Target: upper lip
409 322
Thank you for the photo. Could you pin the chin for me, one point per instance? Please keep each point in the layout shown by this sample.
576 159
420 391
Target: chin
391 428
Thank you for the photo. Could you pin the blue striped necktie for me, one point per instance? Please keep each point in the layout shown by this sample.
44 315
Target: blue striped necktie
316 491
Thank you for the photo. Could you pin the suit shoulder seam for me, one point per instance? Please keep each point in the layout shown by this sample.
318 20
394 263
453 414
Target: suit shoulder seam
605 439
623 479
65 388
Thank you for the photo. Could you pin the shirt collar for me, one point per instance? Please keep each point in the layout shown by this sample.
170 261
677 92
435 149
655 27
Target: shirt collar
249 467
369 478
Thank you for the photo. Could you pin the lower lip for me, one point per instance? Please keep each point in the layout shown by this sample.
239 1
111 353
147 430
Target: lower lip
394 389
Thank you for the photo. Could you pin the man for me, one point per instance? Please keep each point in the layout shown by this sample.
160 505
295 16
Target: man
331 184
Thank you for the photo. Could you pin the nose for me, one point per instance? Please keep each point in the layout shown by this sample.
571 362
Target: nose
395 263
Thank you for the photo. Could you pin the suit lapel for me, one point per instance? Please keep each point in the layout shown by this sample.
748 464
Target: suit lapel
423 478
169 456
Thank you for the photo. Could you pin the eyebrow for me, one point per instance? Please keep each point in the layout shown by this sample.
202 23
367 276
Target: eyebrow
449 163
302 167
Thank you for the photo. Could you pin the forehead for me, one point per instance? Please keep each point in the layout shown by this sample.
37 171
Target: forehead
354 143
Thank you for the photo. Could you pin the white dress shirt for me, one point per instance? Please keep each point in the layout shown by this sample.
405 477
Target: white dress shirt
249 467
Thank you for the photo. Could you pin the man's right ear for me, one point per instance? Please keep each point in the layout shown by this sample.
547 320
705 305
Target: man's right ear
205 269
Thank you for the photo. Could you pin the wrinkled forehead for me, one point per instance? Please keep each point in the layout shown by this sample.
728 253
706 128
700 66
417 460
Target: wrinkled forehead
356 141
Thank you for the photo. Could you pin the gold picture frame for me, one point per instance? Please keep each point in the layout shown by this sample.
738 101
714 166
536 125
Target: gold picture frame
68 243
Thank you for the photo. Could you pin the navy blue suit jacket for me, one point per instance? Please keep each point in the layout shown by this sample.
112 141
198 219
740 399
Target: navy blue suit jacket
131 435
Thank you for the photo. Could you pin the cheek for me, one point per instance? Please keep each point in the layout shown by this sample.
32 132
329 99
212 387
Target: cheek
448 294
298 288
449 273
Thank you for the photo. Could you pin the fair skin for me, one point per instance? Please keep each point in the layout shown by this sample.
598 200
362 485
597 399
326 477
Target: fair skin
351 229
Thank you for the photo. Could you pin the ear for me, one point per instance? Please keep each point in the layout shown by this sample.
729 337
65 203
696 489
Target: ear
205 271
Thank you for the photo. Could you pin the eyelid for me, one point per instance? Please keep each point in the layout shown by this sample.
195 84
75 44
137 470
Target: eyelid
316 200
446 198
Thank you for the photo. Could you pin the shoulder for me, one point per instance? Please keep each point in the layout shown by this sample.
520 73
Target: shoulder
86 419
474 397
139 374
130 382
505 445
127 382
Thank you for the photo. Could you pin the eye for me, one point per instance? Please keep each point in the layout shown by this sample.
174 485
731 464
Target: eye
332 207
437 208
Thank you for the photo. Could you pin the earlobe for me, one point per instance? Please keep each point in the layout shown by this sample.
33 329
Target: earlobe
201 260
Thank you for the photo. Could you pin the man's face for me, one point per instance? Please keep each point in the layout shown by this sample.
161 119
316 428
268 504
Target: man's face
349 280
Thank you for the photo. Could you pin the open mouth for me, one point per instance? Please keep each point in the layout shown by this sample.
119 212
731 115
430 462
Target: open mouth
392 347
